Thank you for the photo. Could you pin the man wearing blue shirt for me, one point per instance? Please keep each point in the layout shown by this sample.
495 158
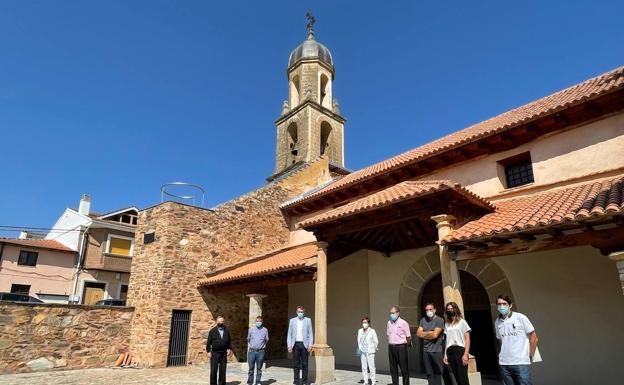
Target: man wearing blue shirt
257 338
299 341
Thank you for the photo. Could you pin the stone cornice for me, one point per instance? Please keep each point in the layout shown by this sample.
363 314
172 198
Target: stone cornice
314 105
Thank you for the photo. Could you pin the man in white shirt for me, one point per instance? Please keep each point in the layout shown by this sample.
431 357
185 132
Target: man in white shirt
518 343
299 340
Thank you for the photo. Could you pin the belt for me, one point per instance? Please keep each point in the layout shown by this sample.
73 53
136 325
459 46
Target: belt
398 344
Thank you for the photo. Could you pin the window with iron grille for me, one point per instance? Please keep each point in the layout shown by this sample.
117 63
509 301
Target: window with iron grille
27 258
518 170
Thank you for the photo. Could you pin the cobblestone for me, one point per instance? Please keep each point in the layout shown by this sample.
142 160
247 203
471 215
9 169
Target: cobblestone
188 375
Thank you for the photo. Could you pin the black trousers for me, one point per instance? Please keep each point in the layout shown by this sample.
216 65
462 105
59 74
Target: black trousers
218 364
398 359
434 367
300 362
460 371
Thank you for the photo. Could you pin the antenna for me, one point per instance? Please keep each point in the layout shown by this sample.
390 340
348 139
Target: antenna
163 192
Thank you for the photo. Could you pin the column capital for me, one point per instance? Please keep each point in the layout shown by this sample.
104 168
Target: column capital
443 220
322 245
256 295
617 256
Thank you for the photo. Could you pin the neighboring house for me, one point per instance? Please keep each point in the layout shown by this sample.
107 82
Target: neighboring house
36 267
105 245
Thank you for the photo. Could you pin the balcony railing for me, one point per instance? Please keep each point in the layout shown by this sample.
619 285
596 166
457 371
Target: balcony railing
110 262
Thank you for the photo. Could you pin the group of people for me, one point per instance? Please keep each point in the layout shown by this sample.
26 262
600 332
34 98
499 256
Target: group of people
446 346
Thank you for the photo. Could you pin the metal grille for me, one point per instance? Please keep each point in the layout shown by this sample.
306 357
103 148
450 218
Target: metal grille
519 174
178 337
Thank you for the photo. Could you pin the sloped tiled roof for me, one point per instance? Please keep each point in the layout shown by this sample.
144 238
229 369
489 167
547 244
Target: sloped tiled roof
589 89
576 203
38 243
291 258
399 192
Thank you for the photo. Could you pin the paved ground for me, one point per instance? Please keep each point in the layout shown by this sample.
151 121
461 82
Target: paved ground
189 375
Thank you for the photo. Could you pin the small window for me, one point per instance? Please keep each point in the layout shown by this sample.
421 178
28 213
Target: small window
518 170
20 289
149 237
120 246
27 258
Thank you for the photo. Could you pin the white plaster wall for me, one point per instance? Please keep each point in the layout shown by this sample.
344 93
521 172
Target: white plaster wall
69 221
348 302
574 299
589 149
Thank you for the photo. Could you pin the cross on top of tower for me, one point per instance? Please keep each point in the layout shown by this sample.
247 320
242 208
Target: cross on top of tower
310 24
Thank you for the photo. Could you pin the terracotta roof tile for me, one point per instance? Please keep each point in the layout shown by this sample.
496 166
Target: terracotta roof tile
38 243
291 258
399 192
571 204
588 89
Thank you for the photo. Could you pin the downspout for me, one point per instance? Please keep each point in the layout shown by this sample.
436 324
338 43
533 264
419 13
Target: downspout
81 252
1 252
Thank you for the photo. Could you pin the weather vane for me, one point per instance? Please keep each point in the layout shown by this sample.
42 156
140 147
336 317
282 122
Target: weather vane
310 24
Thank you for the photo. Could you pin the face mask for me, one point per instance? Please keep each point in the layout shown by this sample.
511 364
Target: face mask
300 314
503 309
430 314
365 325
258 324
220 325
394 317
450 313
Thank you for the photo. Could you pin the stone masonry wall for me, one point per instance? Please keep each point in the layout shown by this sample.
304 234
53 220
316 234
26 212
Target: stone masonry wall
37 337
191 241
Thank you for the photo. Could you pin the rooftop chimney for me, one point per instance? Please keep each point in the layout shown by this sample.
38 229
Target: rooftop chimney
23 235
85 204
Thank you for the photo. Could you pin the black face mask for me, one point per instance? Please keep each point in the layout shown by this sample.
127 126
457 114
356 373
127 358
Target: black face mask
220 326
450 313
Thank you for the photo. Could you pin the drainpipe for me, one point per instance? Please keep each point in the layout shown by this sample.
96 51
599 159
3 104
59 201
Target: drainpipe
1 252
81 252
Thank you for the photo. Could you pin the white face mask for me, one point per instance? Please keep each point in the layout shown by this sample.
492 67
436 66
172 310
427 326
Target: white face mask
430 314
365 325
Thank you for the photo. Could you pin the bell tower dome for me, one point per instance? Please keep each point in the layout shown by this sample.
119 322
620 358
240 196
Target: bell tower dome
310 125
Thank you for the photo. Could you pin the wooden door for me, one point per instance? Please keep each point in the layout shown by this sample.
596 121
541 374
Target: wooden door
93 292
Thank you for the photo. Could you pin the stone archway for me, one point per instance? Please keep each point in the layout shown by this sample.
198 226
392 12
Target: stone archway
484 271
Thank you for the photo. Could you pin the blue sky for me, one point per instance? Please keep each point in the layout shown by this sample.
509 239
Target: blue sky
115 98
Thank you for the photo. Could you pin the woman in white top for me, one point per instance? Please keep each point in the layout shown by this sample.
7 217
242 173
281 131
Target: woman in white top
367 344
457 334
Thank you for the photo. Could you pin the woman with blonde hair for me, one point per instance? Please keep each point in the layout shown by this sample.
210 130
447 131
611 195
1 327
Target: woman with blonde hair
457 346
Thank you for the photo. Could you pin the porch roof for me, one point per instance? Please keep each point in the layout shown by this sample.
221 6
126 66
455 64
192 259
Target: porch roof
398 217
586 203
281 263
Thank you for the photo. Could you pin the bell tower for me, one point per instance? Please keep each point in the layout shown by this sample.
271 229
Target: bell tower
310 125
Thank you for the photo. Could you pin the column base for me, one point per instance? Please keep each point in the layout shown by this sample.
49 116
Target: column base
474 378
324 364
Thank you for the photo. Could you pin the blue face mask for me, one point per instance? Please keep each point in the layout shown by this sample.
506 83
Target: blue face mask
258 324
503 309
299 314
394 317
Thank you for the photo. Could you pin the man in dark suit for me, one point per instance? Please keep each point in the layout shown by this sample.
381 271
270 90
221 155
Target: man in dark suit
218 348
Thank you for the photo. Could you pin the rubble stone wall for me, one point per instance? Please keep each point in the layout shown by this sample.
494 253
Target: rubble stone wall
36 337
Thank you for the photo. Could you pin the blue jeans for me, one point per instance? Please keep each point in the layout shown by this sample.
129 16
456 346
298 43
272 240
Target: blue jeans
516 375
255 359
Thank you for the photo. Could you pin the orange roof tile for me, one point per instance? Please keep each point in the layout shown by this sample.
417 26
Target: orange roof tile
571 204
397 193
589 89
287 259
38 243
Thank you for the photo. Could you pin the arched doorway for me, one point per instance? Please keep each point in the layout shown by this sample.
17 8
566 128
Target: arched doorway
477 313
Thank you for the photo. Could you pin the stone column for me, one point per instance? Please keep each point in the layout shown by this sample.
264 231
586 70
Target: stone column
323 354
618 258
451 285
255 307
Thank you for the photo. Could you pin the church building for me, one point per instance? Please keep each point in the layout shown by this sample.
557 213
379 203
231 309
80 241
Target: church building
529 203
